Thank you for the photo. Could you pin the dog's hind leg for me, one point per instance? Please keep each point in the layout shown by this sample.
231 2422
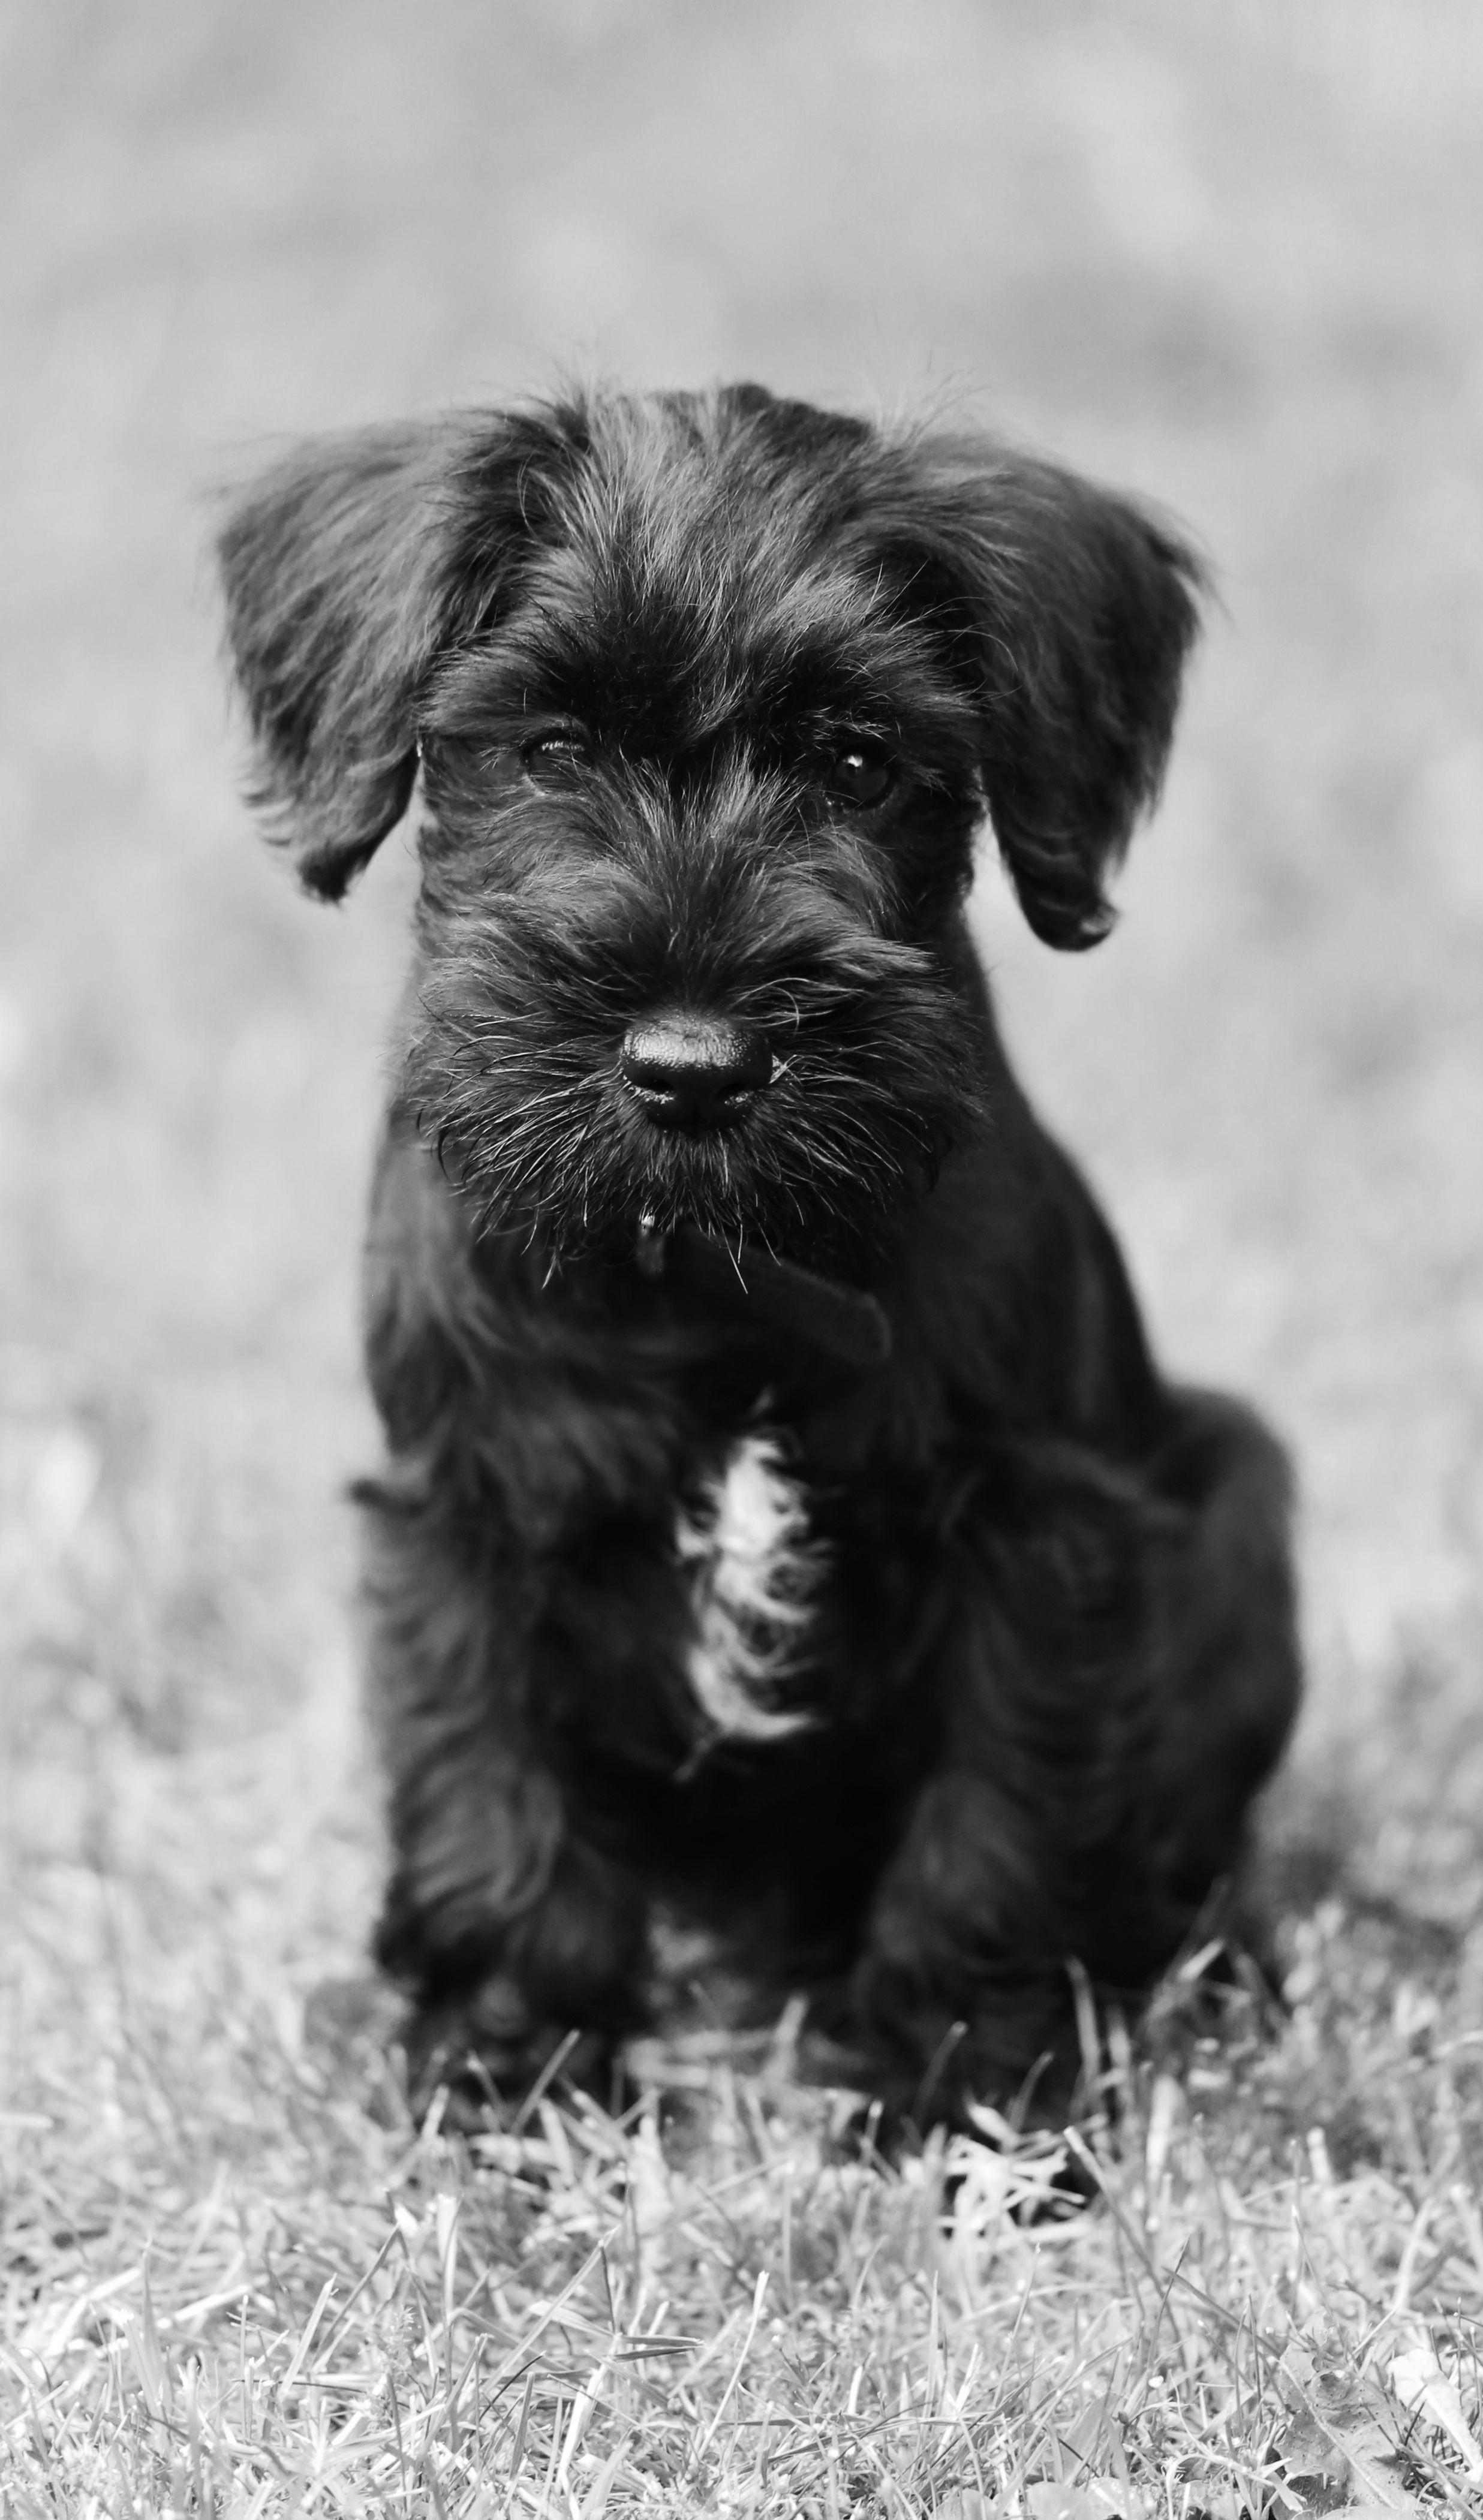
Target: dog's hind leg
1232 1668
1122 1676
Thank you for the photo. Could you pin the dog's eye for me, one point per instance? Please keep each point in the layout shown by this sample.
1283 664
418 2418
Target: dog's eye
861 773
560 747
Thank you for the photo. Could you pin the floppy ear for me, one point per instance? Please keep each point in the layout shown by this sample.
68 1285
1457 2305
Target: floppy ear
1073 610
347 569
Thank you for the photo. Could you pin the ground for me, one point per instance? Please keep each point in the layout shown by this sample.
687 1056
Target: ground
1232 257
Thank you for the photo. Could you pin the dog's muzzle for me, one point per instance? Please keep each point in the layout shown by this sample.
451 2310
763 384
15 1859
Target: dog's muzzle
691 1071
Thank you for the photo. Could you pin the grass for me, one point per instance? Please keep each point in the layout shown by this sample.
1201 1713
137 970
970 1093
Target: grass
240 2280
1233 256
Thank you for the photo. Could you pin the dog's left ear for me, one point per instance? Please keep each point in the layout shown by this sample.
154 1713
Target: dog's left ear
1072 611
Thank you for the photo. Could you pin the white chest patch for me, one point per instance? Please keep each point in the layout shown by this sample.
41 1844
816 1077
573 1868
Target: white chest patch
753 1572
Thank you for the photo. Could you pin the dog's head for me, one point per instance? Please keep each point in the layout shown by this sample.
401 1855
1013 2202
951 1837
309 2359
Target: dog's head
710 693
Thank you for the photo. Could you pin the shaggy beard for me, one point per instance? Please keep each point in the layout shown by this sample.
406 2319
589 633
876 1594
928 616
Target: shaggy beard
551 1145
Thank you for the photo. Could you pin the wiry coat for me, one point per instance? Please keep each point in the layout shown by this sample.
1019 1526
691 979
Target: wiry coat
785 1525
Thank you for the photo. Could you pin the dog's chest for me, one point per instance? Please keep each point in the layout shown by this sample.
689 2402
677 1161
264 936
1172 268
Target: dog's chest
752 1567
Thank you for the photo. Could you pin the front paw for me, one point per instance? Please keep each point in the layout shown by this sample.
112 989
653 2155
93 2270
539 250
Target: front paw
934 2055
487 2052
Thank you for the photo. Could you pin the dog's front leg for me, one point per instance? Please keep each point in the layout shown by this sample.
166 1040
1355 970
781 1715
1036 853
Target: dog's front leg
507 1930
960 1992
1026 1848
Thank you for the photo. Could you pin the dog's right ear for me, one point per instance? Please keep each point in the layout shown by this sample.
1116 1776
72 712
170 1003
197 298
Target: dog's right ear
348 570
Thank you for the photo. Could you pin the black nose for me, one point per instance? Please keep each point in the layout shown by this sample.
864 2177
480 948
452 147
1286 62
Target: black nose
695 1072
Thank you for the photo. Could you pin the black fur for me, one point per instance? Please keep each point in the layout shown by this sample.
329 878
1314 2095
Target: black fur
1047 1654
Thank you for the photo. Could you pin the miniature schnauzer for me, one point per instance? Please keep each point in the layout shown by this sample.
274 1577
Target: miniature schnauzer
785 1529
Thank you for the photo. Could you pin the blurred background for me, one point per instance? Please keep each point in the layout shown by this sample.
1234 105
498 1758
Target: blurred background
1229 256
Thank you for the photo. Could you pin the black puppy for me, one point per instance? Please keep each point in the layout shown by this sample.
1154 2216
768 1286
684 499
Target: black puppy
786 1528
